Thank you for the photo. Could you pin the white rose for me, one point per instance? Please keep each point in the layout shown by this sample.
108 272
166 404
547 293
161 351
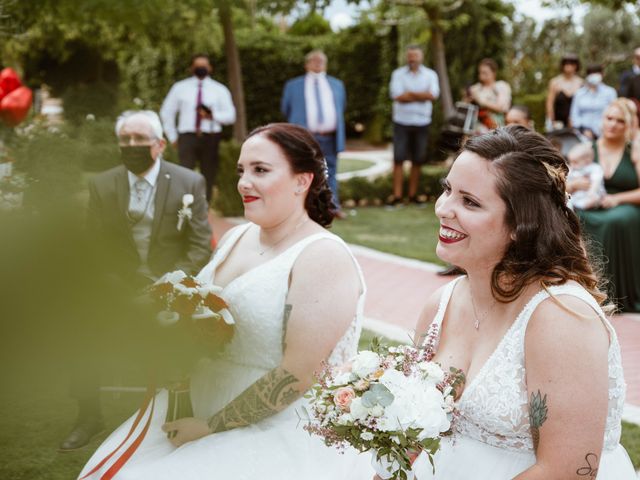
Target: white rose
342 379
345 419
173 277
187 199
182 290
226 316
394 380
367 436
365 363
205 290
203 312
357 410
433 370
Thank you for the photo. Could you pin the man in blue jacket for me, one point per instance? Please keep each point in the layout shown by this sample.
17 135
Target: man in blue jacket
317 102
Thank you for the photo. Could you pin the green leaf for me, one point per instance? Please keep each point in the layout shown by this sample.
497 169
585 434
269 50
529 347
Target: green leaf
377 394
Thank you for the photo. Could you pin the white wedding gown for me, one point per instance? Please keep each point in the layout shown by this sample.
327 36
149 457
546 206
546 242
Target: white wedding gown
492 439
275 448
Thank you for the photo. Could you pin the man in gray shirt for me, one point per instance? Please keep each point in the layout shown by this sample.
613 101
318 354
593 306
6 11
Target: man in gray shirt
413 87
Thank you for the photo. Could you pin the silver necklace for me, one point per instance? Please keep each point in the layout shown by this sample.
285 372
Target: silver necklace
475 313
287 235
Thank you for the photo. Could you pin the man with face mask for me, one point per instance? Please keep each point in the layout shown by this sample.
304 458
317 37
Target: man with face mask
146 217
589 103
202 106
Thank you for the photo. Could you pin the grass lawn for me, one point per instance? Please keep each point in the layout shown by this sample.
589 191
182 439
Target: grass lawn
407 231
352 164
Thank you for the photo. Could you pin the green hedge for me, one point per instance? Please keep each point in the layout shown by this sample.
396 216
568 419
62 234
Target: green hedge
226 199
535 102
361 191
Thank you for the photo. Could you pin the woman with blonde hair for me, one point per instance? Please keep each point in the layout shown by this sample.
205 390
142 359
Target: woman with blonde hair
615 228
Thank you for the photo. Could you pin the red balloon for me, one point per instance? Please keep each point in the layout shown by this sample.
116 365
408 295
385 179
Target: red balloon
15 106
9 80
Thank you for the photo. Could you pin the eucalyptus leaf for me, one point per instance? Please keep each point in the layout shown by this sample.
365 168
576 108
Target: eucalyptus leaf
377 394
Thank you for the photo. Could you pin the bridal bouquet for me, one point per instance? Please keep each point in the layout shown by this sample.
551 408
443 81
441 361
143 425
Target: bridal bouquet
196 313
389 400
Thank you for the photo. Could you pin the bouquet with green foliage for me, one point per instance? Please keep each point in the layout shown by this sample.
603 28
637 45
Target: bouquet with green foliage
388 400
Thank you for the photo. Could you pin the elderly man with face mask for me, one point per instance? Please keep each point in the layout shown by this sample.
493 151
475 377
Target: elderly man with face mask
202 106
590 102
147 217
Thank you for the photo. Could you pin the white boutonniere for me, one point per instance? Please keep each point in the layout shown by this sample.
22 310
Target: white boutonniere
185 212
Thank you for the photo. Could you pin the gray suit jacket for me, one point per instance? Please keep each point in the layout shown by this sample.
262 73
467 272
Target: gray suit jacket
170 249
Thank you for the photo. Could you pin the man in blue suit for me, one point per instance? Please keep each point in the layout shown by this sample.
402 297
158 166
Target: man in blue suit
317 102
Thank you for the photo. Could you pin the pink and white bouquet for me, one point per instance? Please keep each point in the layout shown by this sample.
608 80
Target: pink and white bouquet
388 400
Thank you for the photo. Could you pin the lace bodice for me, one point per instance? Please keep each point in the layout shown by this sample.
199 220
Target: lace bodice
257 300
494 406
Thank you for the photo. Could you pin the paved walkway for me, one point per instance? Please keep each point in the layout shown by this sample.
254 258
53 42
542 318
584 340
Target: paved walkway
398 288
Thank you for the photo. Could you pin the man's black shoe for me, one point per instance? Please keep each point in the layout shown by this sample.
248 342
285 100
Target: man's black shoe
418 200
451 270
81 435
393 202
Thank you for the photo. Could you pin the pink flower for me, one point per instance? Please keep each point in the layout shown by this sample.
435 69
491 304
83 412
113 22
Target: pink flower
343 396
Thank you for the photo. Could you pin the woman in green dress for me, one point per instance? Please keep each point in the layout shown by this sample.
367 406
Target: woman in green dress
614 229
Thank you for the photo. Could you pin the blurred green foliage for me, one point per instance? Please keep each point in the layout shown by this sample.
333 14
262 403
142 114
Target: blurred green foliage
227 200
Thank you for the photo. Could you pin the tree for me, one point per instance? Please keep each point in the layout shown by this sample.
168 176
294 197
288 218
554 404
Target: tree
443 17
234 68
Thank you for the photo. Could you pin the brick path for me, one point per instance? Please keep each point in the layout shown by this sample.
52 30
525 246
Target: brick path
398 287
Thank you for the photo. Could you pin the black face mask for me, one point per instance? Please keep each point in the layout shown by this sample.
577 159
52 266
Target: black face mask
201 72
137 159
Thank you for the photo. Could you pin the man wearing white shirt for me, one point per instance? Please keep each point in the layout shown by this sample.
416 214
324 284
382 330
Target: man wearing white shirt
413 87
317 102
202 106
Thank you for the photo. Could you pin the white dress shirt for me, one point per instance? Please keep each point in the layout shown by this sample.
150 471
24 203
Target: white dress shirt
181 101
329 123
404 80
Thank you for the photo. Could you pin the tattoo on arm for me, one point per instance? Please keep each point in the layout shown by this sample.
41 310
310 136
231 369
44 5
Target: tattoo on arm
287 313
267 396
537 416
591 470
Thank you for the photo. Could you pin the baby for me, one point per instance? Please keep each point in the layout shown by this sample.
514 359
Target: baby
581 165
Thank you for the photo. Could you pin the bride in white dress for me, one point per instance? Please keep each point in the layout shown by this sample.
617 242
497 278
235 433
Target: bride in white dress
296 294
545 390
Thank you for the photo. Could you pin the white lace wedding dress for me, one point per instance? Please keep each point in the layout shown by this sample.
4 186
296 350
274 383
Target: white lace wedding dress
492 438
275 448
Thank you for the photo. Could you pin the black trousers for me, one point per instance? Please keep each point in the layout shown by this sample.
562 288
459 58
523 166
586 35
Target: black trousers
200 150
